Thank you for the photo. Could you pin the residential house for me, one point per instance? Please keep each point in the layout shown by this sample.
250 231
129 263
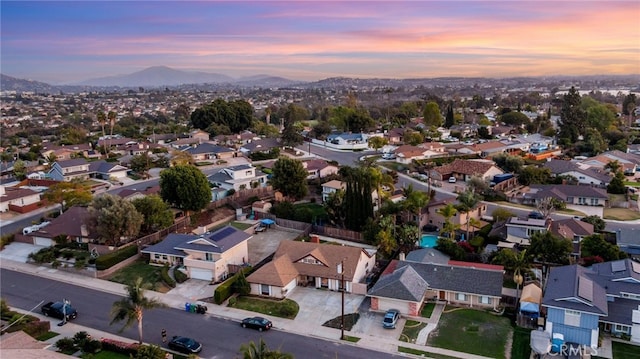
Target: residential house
490 148
407 285
201 136
580 301
319 168
407 153
63 153
71 223
330 187
465 169
573 230
628 240
520 230
18 199
629 162
107 170
459 219
313 264
206 257
264 145
395 136
67 170
585 175
347 138
570 194
238 178
133 194
461 149
208 151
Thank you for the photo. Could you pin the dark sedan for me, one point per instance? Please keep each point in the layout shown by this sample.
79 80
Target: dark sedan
185 345
256 323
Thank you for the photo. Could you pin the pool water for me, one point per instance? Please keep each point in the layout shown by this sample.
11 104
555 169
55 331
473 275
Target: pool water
428 240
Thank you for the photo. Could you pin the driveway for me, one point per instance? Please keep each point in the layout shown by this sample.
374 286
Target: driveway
18 252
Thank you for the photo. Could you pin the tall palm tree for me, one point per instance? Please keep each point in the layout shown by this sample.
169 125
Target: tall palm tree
415 201
131 308
520 266
112 122
467 201
447 212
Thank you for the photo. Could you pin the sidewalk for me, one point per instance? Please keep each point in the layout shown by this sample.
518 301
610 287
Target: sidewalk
176 298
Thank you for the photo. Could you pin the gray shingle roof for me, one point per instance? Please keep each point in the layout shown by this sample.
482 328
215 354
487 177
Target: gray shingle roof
208 148
427 255
563 291
217 242
403 284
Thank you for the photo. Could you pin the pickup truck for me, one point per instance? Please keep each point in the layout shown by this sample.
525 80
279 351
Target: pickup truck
55 309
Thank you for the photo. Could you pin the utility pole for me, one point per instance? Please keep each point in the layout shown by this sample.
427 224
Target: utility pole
341 271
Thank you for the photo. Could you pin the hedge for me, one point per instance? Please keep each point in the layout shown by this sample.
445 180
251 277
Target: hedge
119 346
225 290
109 260
166 278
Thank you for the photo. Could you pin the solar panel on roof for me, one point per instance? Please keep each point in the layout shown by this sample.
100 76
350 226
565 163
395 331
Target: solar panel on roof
223 233
617 266
585 289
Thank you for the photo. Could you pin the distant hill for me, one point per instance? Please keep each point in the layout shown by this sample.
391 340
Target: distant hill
8 83
158 76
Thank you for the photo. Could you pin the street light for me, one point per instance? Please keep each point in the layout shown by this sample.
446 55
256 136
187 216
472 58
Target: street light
65 302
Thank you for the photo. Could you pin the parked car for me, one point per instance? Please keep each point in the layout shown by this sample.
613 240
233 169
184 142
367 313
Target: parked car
260 228
391 319
185 345
59 310
536 215
452 180
259 323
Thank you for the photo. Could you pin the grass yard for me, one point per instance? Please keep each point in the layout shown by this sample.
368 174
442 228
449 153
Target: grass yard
521 346
471 331
46 336
621 214
241 226
150 274
285 308
105 354
423 353
317 210
625 351
411 330
427 310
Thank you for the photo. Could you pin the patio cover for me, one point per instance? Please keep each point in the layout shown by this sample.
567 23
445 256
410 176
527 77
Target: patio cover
531 293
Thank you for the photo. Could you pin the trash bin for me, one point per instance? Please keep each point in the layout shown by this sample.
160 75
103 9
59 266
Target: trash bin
193 308
187 307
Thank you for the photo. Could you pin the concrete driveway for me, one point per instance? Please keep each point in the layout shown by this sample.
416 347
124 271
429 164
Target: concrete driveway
18 252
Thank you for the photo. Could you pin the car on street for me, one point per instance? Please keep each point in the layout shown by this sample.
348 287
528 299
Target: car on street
185 345
391 319
258 323
536 215
59 310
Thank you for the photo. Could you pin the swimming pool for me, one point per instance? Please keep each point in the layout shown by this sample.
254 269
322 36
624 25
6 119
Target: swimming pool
428 240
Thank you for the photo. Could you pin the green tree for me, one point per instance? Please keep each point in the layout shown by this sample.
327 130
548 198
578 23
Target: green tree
448 212
407 236
131 308
377 142
515 119
549 249
386 242
450 248
261 351
181 158
616 185
222 116
68 194
141 164
432 115
358 196
414 202
534 175
598 223
413 138
102 119
293 118
501 214
185 187
596 245
513 164
467 201
290 178
335 208
572 118
113 218
156 213
19 170
241 285
150 352
449 118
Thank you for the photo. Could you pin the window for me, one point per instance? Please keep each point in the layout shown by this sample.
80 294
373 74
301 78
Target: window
208 257
156 256
461 297
164 257
620 328
485 300
264 289
572 317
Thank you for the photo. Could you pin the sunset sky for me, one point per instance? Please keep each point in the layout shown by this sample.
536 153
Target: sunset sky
63 42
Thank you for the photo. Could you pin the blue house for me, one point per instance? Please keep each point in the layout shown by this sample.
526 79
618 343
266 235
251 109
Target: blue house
583 301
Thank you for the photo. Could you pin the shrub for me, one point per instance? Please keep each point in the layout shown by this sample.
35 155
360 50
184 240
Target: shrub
119 347
6 239
109 260
91 346
180 276
66 345
45 255
226 289
36 328
80 338
166 278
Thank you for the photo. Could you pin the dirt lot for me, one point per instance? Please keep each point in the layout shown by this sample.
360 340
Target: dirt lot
263 244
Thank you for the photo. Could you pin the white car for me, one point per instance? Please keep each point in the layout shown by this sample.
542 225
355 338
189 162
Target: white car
452 180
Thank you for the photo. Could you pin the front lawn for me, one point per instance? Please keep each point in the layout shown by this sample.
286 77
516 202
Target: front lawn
471 331
105 354
285 308
150 274
626 351
350 319
427 310
620 214
411 330
521 346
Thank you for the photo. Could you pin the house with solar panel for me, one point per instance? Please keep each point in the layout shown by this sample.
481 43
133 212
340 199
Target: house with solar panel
208 256
581 302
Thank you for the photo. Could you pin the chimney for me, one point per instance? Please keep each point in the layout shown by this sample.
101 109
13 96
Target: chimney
401 256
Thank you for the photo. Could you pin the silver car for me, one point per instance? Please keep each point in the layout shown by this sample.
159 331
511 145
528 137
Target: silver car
391 318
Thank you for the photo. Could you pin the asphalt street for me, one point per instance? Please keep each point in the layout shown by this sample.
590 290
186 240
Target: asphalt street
220 338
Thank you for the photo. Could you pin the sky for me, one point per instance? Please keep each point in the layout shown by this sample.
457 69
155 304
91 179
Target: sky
70 41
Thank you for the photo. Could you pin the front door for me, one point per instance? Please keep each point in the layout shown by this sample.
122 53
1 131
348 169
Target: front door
442 294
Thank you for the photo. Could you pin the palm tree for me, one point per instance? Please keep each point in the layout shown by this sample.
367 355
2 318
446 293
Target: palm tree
112 122
415 201
447 212
260 351
520 266
131 308
467 201
475 223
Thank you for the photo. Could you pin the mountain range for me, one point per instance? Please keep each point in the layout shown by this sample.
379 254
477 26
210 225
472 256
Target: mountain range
156 76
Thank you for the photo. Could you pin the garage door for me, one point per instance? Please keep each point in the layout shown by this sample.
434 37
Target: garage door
40 241
203 274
